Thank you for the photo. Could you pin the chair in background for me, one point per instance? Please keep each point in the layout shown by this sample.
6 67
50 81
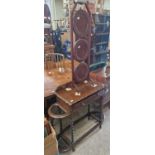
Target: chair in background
54 61
48 48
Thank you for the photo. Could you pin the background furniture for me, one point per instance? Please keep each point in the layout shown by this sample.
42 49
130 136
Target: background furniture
48 48
56 35
47 25
67 49
99 75
100 42
54 60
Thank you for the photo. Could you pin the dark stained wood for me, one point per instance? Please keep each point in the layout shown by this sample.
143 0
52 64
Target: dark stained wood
72 103
81 23
58 116
80 43
81 50
86 90
99 76
81 72
81 91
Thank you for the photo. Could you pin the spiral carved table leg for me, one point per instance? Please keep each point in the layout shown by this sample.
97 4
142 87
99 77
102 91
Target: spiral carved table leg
72 133
88 111
101 112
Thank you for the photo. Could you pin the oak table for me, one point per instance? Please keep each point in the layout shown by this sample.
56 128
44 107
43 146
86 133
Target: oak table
53 85
53 79
91 93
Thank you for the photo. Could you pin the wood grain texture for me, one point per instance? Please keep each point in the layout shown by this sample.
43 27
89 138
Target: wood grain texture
85 89
53 78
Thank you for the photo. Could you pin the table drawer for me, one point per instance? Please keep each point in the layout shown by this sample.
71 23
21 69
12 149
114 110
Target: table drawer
88 100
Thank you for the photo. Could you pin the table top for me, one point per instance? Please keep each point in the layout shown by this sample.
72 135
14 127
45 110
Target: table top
53 78
71 94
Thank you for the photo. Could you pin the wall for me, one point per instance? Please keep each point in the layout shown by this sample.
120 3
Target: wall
57 12
59 9
107 4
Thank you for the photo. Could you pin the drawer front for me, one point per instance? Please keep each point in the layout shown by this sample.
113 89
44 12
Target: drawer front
88 100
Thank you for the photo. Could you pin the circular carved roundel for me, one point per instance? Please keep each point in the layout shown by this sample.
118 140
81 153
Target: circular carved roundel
81 72
81 23
81 50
